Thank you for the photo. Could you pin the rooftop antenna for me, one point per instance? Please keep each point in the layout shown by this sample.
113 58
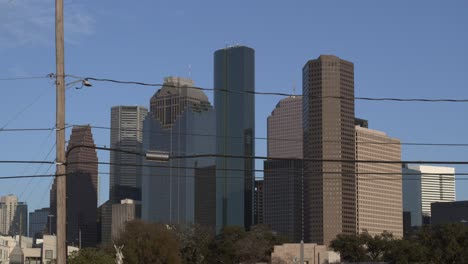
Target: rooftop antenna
190 70
294 90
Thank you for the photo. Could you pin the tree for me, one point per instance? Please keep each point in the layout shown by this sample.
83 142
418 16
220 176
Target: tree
90 256
257 245
149 243
350 247
224 249
444 243
195 242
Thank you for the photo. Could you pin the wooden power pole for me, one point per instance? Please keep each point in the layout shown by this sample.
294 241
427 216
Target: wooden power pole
61 179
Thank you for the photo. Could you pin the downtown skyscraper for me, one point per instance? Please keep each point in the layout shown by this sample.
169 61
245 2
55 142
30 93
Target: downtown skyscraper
234 84
283 192
82 189
424 185
182 123
378 185
329 138
126 134
13 216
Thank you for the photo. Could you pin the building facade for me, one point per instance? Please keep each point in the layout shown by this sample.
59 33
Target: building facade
234 82
38 222
424 185
188 128
449 212
329 134
122 213
283 197
258 202
13 216
284 129
82 189
126 134
205 197
283 178
379 186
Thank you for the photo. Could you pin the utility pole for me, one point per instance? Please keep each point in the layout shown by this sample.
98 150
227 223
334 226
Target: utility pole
60 177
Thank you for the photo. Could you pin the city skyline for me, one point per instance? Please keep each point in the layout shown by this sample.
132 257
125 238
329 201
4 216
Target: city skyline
375 54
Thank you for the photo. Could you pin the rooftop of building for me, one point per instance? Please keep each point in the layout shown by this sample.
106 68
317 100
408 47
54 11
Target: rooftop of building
180 86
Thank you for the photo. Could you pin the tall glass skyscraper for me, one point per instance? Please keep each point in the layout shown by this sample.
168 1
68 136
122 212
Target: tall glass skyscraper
126 133
234 83
181 122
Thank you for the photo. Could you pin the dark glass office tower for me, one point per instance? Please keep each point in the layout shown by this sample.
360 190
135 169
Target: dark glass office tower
234 75
181 122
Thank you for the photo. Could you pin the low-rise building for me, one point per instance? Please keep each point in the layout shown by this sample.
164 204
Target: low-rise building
313 253
449 212
44 251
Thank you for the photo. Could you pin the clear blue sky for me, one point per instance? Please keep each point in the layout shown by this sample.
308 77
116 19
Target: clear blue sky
399 48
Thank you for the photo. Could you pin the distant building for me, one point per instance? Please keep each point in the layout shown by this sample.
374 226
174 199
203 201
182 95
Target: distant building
182 123
283 200
105 223
126 134
283 178
22 250
48 249
313 253
284 129
82 189
234 84
205 197
13 216
329 134
378 185
423 185
122 213
38 222
258 202
449 212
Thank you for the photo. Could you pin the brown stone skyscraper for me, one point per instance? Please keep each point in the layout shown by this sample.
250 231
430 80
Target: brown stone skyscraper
329 134
379 195
285 129
283 178
82 186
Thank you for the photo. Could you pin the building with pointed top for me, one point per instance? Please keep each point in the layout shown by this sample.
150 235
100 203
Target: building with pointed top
82 189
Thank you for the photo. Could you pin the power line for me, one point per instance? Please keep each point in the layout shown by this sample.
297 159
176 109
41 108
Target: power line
27 161
189 176
29 176
48 76
287 139
26 107
283 170
25 129
259 138
425 100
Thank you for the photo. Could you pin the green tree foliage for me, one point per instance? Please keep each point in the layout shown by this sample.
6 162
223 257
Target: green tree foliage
90 256
431 244
149 243
235 245
195 242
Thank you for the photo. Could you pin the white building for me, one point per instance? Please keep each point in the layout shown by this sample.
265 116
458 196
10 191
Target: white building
313 253
43 252
423 185
12 215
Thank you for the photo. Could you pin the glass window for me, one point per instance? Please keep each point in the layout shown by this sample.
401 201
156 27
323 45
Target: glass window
48 254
